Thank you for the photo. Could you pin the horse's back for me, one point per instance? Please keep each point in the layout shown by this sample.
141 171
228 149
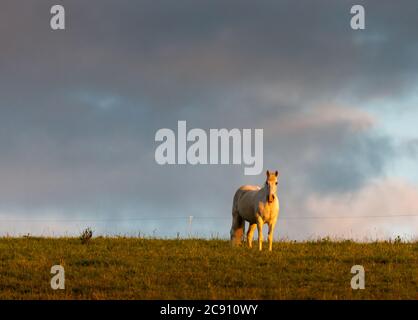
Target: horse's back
248 187
243 190
244 201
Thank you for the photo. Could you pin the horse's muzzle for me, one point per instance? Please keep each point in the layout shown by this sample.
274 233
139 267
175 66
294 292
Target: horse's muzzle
270 198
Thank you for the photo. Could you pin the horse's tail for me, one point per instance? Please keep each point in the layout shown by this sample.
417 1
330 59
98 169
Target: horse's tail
235 201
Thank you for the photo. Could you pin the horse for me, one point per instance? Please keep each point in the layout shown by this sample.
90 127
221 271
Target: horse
258 206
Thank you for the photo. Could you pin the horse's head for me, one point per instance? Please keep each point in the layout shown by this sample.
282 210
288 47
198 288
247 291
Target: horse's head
271 185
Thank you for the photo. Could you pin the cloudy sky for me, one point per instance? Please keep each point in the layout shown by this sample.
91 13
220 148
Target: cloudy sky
79 110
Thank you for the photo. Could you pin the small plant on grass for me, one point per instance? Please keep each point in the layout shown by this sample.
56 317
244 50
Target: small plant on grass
86 236
398 240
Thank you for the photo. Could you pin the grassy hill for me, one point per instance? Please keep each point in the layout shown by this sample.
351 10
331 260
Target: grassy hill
133 268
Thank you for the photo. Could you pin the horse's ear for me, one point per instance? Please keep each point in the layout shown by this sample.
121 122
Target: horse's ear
268 173
277 173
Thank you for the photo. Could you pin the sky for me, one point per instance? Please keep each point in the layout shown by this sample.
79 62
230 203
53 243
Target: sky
79 109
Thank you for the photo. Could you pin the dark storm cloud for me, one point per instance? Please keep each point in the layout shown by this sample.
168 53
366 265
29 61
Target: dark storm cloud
165 50
79 108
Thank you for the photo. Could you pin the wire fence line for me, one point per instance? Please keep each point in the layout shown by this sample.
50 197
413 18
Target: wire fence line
204 218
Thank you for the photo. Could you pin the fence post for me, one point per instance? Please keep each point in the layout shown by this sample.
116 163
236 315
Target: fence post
190 225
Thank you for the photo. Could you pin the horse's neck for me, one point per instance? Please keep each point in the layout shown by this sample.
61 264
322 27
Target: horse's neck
263 192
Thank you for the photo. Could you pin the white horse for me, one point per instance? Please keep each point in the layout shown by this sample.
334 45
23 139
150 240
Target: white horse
257 206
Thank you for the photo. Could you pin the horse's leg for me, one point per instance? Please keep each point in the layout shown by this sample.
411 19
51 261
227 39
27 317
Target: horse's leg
241 231
250 234
270 236
260 232
237 229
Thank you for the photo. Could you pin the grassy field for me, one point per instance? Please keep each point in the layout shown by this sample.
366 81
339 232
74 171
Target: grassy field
132 268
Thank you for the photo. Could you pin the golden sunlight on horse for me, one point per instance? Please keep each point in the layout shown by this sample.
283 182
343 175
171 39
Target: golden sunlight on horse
258 206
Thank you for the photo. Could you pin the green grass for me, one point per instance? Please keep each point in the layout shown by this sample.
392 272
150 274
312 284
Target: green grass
132 268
